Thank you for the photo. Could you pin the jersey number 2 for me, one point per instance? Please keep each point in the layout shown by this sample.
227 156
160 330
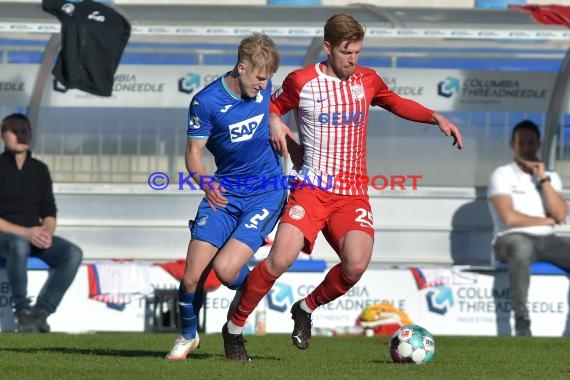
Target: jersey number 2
257 218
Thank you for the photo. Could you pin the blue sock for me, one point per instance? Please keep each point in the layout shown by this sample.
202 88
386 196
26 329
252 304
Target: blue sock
198 302
188 316
240 280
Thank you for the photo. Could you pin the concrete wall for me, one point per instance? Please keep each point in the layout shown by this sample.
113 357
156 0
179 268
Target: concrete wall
424 226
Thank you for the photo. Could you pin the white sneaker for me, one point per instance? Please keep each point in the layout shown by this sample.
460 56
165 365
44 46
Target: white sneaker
182 347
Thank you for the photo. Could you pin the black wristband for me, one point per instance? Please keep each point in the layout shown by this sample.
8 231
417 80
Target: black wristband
545 179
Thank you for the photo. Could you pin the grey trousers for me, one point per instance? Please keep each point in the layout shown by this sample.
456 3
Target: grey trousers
519 251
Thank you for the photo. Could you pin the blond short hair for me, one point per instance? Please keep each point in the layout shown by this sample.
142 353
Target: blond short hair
260 51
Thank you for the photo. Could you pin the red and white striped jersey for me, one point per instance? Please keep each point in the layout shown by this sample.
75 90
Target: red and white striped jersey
332 117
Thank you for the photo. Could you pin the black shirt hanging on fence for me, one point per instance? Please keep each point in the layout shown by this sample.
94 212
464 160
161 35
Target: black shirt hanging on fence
93 38
26 196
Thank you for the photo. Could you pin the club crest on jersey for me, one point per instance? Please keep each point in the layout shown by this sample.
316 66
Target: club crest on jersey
244 130
297 212
68 8
357 92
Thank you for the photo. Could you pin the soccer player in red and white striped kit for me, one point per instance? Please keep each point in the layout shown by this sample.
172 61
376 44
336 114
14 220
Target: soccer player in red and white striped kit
331 100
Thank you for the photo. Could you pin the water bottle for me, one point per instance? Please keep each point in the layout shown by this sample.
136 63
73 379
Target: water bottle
260 320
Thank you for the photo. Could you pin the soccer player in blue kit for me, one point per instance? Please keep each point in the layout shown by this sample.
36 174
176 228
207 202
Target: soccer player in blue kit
242 204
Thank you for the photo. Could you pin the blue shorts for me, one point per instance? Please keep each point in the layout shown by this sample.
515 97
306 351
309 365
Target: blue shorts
247 218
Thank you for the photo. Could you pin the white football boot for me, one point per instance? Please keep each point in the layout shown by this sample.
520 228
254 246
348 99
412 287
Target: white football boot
182 347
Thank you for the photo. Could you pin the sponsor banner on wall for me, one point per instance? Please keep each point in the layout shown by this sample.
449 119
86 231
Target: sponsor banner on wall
458 302
482 91
304 31
16 84
445 300
136 86
395 287
79 313
172 86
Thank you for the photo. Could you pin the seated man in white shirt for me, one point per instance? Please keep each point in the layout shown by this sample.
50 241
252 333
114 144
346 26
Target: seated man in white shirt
526 202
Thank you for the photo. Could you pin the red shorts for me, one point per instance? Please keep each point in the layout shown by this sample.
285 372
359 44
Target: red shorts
313 210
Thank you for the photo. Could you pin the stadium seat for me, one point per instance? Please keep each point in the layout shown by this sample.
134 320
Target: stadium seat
309 265
34 263
540 268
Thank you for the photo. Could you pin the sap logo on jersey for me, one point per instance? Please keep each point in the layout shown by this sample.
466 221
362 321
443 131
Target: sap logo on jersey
244 130
338 119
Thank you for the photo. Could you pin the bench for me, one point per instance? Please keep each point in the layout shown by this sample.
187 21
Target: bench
34 263
539 268
308 265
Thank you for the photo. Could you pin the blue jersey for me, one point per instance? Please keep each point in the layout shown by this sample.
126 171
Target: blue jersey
237 131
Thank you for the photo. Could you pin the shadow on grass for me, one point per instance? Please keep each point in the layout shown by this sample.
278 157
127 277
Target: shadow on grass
255 358
102 352
123 353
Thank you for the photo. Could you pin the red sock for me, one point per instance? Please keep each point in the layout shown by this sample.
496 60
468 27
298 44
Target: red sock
335 284
257 285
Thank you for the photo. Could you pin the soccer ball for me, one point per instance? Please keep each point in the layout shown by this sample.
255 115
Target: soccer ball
412 344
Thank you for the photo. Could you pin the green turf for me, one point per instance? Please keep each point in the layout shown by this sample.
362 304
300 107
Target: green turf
139 356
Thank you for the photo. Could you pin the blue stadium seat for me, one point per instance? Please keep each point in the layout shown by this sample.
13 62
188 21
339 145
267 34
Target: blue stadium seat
34 263
540 268
545 268
309 265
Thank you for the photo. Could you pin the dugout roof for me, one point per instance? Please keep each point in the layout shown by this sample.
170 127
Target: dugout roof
307 16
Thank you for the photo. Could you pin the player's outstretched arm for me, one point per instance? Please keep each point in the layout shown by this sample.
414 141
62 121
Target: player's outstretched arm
448 129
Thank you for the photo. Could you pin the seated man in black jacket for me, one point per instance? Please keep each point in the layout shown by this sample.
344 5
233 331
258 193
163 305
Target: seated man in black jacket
27 224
